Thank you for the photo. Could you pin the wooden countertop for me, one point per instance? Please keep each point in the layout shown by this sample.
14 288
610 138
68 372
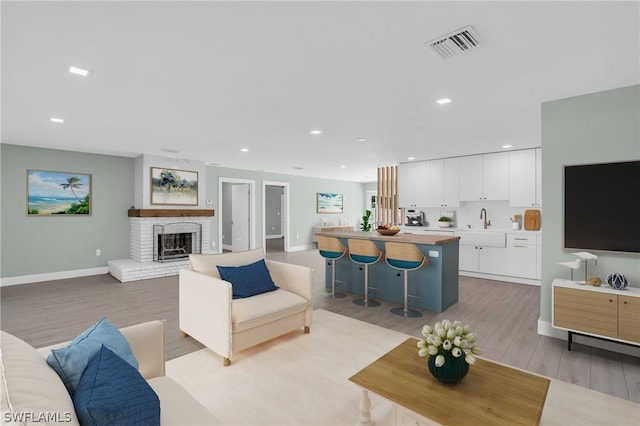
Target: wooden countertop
399 237
490 394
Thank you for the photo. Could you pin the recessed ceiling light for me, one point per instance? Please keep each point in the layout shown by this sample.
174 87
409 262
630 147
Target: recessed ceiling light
298 168
170 150
506 146
343 166
316 132
244 149
78 71
56 120
209 163
443 101
411 158
361 139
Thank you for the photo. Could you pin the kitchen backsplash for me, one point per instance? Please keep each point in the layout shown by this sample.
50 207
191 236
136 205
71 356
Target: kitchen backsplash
498 212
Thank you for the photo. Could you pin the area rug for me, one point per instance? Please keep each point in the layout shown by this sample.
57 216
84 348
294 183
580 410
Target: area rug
296 379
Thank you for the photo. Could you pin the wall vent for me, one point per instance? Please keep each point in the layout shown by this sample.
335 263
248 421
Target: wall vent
459 41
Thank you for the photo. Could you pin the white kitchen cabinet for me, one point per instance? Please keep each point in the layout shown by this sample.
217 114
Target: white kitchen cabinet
484 177
482 252
522 255
483 259
525 178
413 183
444 178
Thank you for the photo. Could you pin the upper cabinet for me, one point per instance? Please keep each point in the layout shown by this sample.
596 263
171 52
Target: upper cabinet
484 177
501 176
525 178
444 180
413 183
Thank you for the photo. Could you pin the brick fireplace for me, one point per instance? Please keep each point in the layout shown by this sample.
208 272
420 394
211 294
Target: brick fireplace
147 230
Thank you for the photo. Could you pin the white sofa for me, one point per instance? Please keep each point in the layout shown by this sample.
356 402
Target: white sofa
209 314
32 391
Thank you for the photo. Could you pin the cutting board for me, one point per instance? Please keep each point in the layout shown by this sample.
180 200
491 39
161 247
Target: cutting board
532 220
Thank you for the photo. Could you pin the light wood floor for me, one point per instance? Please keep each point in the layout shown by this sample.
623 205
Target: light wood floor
503 315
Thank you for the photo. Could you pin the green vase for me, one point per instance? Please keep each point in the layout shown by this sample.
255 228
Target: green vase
453 370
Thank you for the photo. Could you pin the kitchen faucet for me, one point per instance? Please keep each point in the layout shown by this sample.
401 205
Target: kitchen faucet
486 222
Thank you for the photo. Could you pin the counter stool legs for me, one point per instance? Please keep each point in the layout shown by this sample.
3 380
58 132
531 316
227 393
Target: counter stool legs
405 311
334 294
366 301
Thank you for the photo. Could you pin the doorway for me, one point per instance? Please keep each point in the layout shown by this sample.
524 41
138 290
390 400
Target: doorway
236 223
275 214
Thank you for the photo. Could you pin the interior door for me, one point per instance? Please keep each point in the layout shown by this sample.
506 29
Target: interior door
240 220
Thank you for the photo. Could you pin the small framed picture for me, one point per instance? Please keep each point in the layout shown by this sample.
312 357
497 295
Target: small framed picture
58 193
329 203
174 187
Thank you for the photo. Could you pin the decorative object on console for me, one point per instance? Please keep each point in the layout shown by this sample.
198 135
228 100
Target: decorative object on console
617 281
585 256
451 348
574 264
594 281
174 187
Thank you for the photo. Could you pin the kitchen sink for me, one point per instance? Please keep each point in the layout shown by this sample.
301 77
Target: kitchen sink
482 237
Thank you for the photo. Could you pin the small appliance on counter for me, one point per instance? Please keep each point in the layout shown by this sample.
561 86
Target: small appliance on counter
414 218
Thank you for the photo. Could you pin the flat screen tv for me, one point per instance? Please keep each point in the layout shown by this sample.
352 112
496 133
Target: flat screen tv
602 206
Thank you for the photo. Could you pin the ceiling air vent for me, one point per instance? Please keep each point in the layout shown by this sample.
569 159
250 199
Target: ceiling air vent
459 41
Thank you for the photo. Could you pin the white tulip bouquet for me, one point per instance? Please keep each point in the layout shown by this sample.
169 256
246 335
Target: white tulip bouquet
448 336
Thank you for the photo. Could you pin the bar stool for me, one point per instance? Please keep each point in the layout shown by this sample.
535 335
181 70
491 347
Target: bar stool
405 257
365 252
331 248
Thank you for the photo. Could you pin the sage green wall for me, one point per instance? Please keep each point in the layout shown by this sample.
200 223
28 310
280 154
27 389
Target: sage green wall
594 128
302 201
33 245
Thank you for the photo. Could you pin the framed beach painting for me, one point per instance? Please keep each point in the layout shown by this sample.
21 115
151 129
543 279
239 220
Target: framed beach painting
329 203
174 187
58 193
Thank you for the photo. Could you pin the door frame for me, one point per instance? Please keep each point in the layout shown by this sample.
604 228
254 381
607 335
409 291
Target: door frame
285 229
252 209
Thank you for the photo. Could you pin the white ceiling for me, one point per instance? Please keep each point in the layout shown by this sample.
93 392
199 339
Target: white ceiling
209 78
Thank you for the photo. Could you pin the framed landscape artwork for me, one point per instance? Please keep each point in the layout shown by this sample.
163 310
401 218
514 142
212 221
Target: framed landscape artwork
330 203
58 193
174 187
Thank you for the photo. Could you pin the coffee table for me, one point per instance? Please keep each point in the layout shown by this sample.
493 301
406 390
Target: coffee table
490 394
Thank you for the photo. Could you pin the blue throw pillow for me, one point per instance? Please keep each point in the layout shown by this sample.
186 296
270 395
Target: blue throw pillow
248 280
69 362
112 392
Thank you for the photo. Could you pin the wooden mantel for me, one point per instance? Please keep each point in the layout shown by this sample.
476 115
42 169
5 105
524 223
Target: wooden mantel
170 212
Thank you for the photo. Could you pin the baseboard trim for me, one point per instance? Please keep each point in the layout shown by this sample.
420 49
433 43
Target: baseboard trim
545 329
50 276
518 280
301 248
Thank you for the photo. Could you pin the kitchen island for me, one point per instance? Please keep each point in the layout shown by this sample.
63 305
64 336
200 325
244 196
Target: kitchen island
433 287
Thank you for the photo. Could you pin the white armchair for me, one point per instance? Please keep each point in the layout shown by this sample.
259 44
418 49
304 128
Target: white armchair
209 314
